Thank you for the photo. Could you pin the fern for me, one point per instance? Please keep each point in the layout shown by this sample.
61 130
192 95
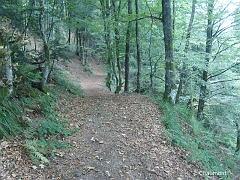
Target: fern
36 150
10 114
30 71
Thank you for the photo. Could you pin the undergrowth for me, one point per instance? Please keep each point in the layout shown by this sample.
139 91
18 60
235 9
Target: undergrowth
34 117
10 115
211 150
61 83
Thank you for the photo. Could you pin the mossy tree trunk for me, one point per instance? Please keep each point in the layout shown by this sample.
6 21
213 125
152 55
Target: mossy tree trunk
170 87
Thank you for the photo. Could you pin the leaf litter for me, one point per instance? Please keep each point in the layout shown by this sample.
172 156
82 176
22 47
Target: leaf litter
120 137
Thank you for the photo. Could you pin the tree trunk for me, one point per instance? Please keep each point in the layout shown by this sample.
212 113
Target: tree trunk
183 73
45 47
127 50
77 42
118 73
169 94
69 36
105 9
9 75
238 138
138 50
82 41
150 58
173 17
209 41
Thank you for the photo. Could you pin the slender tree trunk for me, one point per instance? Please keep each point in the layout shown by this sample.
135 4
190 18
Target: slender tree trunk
9 75
183 73
35 44
238 138
81 47
127 50
69 36
173 17
35 14
209 41
169 94
77 42
150 58
138 50
82 41
119 70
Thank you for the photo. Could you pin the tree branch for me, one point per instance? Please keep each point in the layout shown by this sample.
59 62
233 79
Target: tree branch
226 80
224 49
145 17
223 71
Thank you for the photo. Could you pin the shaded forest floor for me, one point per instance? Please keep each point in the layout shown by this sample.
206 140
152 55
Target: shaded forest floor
120 137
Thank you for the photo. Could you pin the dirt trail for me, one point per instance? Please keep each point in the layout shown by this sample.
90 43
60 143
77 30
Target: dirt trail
120 137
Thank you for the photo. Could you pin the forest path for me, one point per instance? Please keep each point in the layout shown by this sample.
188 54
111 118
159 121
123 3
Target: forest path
120 136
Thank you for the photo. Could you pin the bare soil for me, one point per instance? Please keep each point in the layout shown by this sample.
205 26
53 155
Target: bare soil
120 137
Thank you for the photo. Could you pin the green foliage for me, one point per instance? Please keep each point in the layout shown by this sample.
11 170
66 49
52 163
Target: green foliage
24 90
41 137
46 128
10 116
29 71
215 153
40 149
63 84
88 69
45 135
36 150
